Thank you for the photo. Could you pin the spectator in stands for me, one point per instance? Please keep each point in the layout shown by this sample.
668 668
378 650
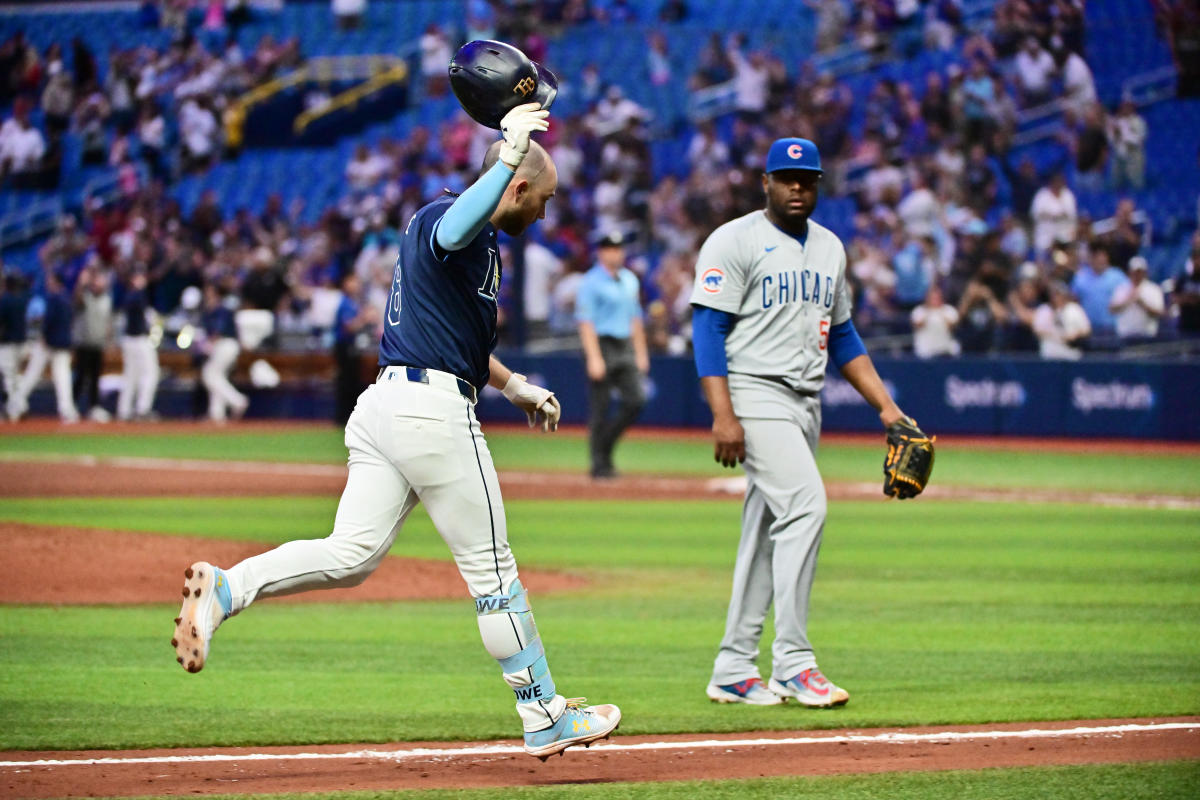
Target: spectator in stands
366 169
933 323
979 181
91 120
915 268
349 14
979 96
1088 140
1187 291
1127 133
980 316
1035 71
1079 87
1127 235
832 20
750 78
139 356
14 302
1138 303
713 66
919 211
1094 285
58 101
1019 335
435 58
542 270
21 148
198 129
1061 325
1055 215
54 346
221 342
93 332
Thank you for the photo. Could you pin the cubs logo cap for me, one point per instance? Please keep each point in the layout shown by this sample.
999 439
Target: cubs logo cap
793 153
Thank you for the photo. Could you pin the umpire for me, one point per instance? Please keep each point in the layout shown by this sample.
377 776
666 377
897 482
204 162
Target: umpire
609 314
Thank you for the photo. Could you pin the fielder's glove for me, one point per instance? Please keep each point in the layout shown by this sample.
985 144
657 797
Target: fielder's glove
538 404
909 459
516 127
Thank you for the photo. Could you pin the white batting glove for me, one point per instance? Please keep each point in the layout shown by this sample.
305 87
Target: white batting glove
516 126
538 404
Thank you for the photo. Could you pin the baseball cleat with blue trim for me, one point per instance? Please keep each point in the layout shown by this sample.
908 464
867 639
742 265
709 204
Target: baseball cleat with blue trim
750 691
812 689
207 603
579 724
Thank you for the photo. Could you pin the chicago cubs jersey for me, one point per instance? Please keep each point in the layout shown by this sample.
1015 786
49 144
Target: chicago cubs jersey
784 296
441 311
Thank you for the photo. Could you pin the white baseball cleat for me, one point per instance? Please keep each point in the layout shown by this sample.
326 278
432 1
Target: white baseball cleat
750 691
811 688
207 603
579 724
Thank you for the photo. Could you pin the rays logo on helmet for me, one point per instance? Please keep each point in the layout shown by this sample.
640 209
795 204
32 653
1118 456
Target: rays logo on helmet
713 280
795 151
525 87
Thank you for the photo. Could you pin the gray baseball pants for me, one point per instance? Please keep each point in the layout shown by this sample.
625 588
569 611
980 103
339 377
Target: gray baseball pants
782 521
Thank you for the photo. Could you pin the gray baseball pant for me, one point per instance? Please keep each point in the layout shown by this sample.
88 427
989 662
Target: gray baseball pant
782 521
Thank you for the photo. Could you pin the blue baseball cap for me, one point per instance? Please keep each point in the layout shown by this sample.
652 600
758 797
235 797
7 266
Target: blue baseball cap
793 153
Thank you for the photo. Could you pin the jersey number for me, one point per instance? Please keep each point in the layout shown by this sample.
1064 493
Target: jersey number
491 283
824 334
394 300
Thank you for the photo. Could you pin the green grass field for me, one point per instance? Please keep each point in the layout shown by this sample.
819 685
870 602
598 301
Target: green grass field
928 612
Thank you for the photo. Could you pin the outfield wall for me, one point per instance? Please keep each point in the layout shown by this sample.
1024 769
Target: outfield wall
1149 400
962 395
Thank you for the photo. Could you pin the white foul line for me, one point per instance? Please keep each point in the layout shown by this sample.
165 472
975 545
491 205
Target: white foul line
612 747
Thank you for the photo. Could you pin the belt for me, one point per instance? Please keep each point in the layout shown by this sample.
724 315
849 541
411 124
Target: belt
430 377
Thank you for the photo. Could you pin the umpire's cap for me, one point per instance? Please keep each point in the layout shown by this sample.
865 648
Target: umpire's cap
491 78
793 153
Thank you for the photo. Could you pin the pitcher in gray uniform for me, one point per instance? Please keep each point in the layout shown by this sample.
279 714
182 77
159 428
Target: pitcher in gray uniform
771 307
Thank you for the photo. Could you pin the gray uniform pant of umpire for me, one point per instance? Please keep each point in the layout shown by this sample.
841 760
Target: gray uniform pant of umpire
621 373
782 521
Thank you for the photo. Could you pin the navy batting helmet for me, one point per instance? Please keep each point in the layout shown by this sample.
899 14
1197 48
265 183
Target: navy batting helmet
491 78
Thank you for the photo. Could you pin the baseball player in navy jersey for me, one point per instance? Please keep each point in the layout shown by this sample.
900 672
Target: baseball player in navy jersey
771 306
220 330
54 347
414 437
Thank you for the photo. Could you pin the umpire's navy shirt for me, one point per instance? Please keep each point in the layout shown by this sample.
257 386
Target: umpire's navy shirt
56 321
441 312
134 307
13 306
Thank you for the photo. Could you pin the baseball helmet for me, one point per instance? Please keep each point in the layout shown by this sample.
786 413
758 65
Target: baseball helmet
491 78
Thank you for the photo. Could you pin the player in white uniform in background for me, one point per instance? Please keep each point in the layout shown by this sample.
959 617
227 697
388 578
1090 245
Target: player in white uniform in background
770 307
413 437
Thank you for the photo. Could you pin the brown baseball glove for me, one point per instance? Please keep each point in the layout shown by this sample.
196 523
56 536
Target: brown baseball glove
909 459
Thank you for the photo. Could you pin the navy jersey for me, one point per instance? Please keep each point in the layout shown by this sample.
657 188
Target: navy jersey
219 324
441 313
56 321
134 307
13 306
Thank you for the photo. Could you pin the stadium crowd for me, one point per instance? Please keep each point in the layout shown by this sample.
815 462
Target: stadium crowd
955 240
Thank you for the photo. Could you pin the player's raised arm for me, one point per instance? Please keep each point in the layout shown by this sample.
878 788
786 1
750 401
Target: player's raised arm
464 219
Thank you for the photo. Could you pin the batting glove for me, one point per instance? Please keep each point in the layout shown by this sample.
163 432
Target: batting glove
516 126
538 404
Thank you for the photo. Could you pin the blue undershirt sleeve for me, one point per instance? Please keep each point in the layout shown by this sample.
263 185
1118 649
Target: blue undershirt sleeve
709 328
466 217
845 344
